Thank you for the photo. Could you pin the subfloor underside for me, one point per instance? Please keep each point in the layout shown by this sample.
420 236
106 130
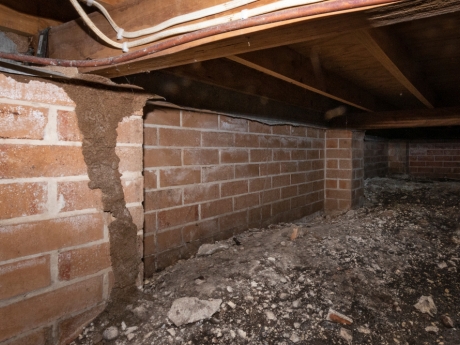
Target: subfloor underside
278 284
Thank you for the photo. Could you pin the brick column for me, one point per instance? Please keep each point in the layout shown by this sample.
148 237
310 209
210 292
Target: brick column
344 170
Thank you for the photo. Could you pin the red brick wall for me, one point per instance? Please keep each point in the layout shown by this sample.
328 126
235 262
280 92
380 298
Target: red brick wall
434 159
208 177
54 246
344 170
375 157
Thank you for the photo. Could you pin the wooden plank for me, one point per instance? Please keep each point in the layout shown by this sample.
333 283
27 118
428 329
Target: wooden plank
23 24
233 76
400 119
288 65
395 59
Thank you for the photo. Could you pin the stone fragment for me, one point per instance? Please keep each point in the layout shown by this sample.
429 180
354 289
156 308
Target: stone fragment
270 315
442 265
231 304
190 309
426 305
337 317
447 321
241 333
209 249
130 336
229 289
141 312
363 330
294 234
172 332
432 329
346 335
110 333
130 330
294 338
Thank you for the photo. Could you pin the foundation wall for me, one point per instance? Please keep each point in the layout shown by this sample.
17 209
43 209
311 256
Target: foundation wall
434 159
208 177
376 162
55 267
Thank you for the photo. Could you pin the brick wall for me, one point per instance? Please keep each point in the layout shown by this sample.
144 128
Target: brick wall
375 157
344 170
397 157
55 267
208 177
434 159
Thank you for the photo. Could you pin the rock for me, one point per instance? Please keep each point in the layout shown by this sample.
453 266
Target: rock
241 333
346 335
294 338
363 330
296 303
209 249
172 332
270 315
97 338
123 326
283 296
426 305
110 333
141 312
229 289
432 329
231 304
130 330
271 259
232 334
130 336
294 234
190 309
337 317
447 321
442 265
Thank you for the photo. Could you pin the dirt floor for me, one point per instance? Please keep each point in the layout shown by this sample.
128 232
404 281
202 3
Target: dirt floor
349 279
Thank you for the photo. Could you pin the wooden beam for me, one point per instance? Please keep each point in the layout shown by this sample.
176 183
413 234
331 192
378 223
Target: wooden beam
233 76
400 119
288 65
392 55
23 24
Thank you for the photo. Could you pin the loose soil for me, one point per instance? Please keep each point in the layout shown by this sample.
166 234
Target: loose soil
371 264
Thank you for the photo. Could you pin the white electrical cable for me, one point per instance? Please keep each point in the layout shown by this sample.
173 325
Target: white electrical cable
280 5
174 21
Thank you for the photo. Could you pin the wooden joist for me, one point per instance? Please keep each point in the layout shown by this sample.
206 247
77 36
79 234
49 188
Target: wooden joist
396 60
288 65
233 76
400 119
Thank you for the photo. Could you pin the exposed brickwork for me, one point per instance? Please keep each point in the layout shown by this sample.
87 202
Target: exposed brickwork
344 187
434 160
210 176
54 244
375 157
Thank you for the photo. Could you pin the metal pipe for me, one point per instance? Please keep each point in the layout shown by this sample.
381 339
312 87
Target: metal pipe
288 14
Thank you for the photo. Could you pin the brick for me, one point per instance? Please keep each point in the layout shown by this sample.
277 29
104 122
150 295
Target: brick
22 199
337 153
159 199
178 137
130 130
234 188
246 201
179 176
332 143
281 180
233 124
298 155
162 157
234 156
269 141
315 175
83 261
150 179
64 301
289 167
169 239
76 195
346 143
332 163
317 144
21 277
163 116
201 156
298 201
246 170
21 161
131 158
338 134
202 192
260 155
133 189
303 143
39 337
67 126
150 246
70 328
317 165
246 140
199 120
298 131
49 235
314 154
258 214
200 231
288 192
268 196
281 155
22 122
218 173
257 127
150 136
342 174
137 213
344 204
217 139
215 208
338 194
298 178
281 130
305 188
177 216
237 221
280 207
288 142
259 184
269 169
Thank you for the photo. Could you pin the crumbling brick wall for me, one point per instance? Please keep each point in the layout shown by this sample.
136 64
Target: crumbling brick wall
208 177
55 266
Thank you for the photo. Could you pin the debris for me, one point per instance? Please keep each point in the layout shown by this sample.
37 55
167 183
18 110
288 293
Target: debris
442 265
346 334
294 338
190 309
209 249
432 329
294 234
241 333
131 329
270 315
110 333
141 312
447 321
426 305
172 332
337 317
231 304
363 330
